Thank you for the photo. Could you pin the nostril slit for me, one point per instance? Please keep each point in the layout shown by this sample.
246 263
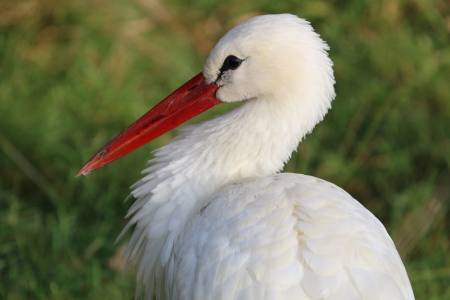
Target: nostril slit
193 87
156 119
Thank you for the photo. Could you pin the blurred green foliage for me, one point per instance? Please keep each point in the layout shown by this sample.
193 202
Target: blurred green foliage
73 74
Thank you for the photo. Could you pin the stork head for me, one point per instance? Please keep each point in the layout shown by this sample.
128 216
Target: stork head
268 57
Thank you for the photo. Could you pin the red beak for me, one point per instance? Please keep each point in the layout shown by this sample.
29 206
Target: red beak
191 99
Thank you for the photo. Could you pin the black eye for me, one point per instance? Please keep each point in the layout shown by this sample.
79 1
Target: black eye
231 63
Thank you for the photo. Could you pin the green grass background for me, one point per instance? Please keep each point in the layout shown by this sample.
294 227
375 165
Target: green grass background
74 73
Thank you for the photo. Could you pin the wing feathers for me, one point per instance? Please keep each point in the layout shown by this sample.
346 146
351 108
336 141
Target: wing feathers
290 237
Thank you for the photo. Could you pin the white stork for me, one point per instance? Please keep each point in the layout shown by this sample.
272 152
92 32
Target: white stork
213 217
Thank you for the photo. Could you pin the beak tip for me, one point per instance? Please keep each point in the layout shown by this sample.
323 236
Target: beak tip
86 169
80 173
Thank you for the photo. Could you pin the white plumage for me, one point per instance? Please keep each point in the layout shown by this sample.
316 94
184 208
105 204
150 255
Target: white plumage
212 218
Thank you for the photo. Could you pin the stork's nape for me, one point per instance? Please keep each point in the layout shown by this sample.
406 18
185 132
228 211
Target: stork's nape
214 220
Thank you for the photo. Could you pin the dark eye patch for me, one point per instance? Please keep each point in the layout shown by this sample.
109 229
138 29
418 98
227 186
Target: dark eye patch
230 63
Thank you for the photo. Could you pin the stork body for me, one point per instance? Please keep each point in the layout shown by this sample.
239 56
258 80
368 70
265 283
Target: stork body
214 220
